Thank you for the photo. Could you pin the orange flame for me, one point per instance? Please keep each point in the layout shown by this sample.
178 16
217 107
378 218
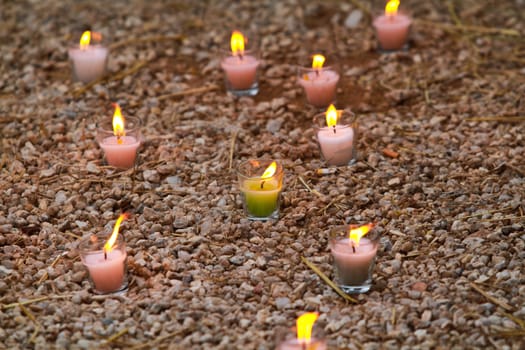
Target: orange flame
85 39
331 116
269 171
108 247
318 61
305 323
237 42
391 7
118 123
357 233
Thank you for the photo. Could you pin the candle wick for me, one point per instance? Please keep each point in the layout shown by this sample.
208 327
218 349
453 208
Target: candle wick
353 248
334 128
262 184
105 255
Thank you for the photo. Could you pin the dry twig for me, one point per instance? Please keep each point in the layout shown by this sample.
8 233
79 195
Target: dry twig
189 92
135 40
467 28
150 344
317 193
36 300
516 119
327 280
232 149
492 299
116 335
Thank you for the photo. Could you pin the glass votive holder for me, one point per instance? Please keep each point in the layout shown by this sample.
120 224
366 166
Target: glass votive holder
319 84
354 263
107 271
89 61
240 72
392 27
120 151
294 344
261 183
337 143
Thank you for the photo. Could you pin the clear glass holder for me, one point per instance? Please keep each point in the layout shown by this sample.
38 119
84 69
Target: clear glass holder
120 152
392 31
241 72
260 197
107 272
353 268
337 145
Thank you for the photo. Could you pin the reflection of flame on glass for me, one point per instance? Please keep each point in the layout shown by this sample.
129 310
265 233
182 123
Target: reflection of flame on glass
237 43
391 7
269 171
318 61
108 247
305 323
118 123
85 39
356 234
331 116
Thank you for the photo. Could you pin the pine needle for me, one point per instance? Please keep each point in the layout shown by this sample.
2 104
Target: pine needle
327 280
492 299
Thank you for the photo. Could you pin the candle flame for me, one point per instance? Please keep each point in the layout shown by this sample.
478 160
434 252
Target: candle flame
108 247
269 171
118 123
85 39
331 116
305 323
391 7
318 61
237 43
356 234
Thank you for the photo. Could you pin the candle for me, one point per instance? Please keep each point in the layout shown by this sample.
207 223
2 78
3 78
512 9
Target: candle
336 139
354 259
240 67
106 264
392 28
88 61
120 145
304 340
319 83
260 189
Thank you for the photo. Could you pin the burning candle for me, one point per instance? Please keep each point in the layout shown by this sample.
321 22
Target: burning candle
335 138
240 67
105 262
261 183
88 60
319 82
120 145
304 340
354 259
392 27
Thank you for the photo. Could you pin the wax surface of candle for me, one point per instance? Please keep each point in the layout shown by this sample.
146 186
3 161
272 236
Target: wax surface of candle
120 155
107 274
240 72
89 63
294 344
353 267
392 30
337 148
261 201
320 86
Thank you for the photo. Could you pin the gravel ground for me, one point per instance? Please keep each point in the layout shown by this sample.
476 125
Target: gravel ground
449 207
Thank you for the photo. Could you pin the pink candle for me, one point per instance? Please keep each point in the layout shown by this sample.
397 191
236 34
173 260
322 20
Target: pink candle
304 339
319 85
88 61
336 139
105 260
294 344
120 152
107 272
240 67
353 266
120 145
392 28
241 72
